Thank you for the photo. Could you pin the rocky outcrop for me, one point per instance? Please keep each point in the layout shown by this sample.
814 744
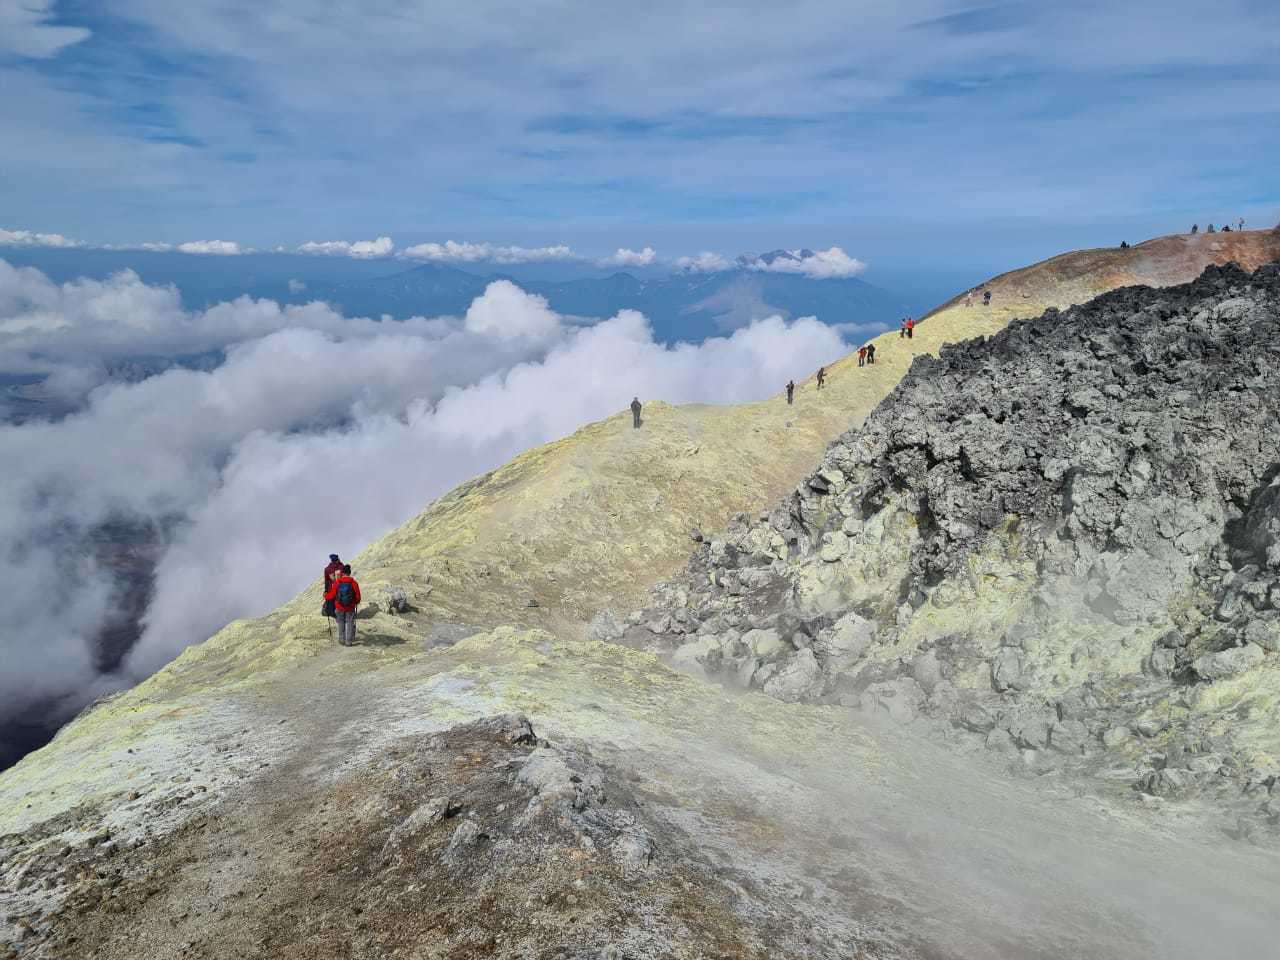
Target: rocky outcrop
1062 541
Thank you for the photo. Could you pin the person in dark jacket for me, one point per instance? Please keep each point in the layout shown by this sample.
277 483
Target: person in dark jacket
345 594
822 376
635 413
871 353
330 572
791 392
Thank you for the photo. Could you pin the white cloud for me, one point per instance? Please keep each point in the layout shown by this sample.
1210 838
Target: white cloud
25 238
247 454
297 286
705 262
25 31
360 249
452 251
828 264
221 248
624 257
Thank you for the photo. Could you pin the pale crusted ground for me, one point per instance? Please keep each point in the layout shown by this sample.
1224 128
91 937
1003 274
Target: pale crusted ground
918 855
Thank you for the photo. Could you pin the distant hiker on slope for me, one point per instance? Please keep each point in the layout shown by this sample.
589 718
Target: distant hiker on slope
635 413
986 298
1195 228
968 299
1240 224
902 329
911 328
1209 229
345 594
862 355
1226 228
791 392
871 353
330 572
822 376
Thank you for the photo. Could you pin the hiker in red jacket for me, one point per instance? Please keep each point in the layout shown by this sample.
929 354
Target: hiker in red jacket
345 594
862 355
911 327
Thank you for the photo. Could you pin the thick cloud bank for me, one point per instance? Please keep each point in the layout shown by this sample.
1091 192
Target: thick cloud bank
317 433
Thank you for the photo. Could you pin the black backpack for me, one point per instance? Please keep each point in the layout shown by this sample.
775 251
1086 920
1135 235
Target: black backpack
346 594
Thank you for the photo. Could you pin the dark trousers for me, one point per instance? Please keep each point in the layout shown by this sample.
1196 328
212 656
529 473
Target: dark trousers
635 419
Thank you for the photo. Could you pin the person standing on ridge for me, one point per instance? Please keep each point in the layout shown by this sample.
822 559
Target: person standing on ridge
871 353
968 299
635 413
345 594
1209 229
902 328
862 355
911 328
986 298
822 376
1240 224
791 392
330 572
1195 228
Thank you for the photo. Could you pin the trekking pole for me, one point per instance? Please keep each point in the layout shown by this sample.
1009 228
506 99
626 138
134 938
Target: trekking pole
330 623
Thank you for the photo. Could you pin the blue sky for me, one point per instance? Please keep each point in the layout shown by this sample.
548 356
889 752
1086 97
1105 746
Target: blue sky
921 130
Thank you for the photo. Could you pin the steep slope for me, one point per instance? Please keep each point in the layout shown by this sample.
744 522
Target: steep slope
1079 276
1060 543
256 792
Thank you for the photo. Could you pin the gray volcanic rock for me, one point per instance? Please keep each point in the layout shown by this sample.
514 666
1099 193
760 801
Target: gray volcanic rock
1052 537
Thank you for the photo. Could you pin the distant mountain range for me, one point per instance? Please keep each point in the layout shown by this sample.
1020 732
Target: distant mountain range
685 306
681 306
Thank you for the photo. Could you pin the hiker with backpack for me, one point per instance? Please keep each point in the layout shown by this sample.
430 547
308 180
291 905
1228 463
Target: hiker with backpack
871 353
862 355
911 328
635 413
345 594
822 376
791 392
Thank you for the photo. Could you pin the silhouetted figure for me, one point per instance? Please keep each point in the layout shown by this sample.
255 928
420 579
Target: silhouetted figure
871 353
862 355
1209 229
791 391
635 413
1124 244
986 298
822 376
1195 228
911 328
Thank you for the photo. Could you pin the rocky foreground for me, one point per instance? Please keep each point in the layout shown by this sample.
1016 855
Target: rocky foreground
1061 544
